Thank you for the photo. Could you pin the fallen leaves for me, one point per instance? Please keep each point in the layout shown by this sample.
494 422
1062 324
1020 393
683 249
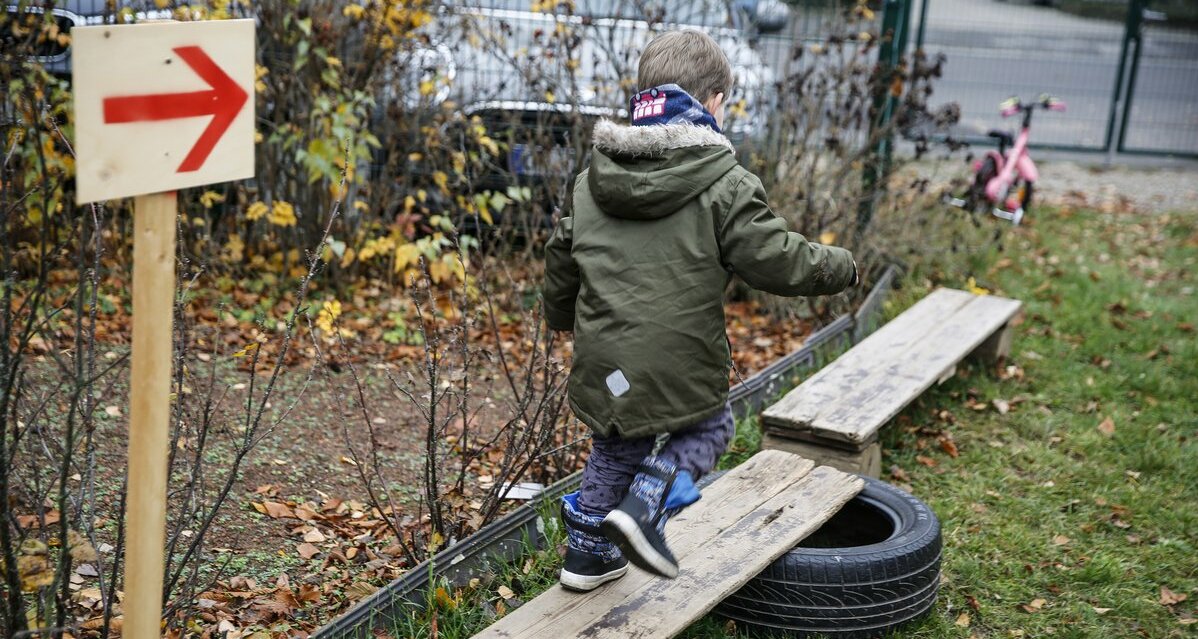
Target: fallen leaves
1107 427
307 550
1034 605
275 510
1170 598
949 446
360 590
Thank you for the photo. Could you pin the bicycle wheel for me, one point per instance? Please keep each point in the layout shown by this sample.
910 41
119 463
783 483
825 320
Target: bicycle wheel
975 198
1019 196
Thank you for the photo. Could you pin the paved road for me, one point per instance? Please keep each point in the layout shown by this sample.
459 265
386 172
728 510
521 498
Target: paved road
996 49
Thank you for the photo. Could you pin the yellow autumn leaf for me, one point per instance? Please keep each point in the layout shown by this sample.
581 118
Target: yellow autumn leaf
827 237
435 542
235 249
329 312
972 286
249 348
445 600
282 214
406 255
256 211
35 572
355 11
438 271
489 144
442 181
211 197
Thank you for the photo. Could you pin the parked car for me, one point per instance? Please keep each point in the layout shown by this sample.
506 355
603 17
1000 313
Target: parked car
23 24
539 95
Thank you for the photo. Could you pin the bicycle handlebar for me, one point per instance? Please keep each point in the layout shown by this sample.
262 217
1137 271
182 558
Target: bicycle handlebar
1014 106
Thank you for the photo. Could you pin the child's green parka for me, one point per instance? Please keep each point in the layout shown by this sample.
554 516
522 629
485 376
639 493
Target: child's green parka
661 221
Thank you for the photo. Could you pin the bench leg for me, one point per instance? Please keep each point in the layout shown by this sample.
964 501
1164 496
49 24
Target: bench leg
867 461
996 347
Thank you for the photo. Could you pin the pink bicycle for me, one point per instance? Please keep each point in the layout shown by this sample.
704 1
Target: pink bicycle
1004 179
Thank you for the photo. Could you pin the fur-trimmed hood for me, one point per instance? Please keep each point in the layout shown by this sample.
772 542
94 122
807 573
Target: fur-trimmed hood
649 172
650 141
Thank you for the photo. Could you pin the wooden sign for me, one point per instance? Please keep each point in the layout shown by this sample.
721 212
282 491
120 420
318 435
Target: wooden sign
162 106
158 107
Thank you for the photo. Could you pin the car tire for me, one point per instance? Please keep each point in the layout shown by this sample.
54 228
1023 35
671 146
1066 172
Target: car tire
872 567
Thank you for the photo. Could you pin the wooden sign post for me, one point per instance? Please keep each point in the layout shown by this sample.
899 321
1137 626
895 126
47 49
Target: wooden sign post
149 411
158 107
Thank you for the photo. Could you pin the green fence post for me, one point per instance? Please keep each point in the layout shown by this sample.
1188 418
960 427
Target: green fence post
1137 28
923 21
888 54
1131 31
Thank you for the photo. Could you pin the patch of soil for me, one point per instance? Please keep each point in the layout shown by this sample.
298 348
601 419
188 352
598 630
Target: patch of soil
298 513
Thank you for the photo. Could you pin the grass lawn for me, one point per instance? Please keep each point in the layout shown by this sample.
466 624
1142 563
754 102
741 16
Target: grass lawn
1071 509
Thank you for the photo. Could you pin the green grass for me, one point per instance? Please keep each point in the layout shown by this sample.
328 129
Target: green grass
1051 526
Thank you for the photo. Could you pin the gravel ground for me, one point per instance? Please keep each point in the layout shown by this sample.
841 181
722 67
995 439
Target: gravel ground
1148 189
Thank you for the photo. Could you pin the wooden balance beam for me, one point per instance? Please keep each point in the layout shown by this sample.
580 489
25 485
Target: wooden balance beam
834 416
746 519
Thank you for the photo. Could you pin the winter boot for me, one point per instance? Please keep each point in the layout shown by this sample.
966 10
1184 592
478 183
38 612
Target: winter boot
591 560
637 526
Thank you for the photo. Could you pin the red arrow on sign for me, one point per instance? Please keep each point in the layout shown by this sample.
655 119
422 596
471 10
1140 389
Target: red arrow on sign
223 102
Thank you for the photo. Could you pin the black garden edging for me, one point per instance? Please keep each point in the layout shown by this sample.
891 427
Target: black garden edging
503 539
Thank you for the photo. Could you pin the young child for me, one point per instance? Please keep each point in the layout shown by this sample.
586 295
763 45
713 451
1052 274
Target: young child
661 221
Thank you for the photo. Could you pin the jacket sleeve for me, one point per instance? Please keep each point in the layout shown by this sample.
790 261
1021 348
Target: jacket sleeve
561 277
756 245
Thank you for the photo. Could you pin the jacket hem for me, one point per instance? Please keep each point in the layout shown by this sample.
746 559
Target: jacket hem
648 429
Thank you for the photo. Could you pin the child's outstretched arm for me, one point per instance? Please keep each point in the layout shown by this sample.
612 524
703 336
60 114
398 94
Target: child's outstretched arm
561 277
756 245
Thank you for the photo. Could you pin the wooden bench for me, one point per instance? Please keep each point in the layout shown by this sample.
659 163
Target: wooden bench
834 416
746 519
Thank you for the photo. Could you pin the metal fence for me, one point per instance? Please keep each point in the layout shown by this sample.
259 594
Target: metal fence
1131 84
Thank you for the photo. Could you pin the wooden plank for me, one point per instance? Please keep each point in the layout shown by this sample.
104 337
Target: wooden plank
725 501
800 407
654 608
875 400
725 563
867 461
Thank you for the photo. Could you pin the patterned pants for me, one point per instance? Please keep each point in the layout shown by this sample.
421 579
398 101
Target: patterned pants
614 460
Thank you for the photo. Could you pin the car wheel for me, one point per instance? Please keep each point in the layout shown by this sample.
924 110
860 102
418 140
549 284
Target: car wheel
873 566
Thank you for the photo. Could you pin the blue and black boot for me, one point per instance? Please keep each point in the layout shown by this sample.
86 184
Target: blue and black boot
637 526
591 560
